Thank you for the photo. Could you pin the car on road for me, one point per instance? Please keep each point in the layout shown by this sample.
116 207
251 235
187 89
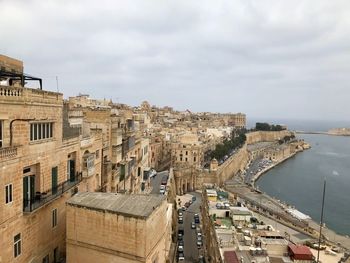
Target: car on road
152 173
193 225
183 208
180 220
180 249
181 257
201 259
162 189
181 243
187 204
196 220
193 199
199 235
199 243
164 180
179 236
180 213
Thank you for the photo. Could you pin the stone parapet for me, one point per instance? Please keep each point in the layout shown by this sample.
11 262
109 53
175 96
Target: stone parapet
18 95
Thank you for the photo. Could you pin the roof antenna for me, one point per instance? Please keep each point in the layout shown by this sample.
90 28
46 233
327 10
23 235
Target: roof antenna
57 83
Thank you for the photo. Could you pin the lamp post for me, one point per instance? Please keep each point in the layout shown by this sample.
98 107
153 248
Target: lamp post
319 238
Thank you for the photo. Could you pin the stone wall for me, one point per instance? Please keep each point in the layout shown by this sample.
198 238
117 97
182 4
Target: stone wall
266 136
225 171
238 161
95 235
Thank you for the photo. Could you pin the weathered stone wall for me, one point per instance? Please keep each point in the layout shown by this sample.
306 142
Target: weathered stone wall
239 160
266 136
229 168
96 235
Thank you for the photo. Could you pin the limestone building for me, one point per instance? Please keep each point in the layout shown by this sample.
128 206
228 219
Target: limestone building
41 168
106 227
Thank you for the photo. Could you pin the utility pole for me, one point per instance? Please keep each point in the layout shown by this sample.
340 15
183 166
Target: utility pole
319 238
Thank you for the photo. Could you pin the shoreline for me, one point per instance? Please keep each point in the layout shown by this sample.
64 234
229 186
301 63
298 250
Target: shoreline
330 235
322 133
257 176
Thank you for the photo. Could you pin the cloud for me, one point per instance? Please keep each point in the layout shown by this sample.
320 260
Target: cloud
265 58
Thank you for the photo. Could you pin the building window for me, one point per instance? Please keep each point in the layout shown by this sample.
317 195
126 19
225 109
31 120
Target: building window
186 152
40 131
194 159
1 132
46 259
54 217
8 193
17 245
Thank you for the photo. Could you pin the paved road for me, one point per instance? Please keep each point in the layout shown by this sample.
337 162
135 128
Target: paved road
156 180
190 237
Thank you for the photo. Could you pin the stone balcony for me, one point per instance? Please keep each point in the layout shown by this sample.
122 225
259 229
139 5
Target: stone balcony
10 94
7 153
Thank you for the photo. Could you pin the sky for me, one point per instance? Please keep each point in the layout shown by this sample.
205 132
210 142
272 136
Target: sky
268 59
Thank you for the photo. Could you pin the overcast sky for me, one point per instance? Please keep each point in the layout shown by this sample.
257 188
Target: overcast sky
273 59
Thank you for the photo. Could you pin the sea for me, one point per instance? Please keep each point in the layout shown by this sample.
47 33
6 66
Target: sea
299 180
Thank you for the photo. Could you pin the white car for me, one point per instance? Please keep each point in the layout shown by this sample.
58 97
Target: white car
153 173
162 189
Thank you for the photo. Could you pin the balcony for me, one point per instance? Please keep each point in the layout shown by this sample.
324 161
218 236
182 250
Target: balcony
41 199
8 152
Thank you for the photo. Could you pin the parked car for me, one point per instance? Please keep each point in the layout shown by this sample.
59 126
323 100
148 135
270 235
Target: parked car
193 199
201 259
181 257
181 243
193 225
180 249
181 220
179 236
218 205
196 220
199 243
164 180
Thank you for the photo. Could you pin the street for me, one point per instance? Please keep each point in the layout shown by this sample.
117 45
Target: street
190 236
156 181
191 251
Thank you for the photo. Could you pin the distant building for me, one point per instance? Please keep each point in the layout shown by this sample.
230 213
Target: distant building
106 227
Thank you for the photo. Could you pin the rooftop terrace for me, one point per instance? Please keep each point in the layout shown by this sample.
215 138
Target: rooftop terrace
139 206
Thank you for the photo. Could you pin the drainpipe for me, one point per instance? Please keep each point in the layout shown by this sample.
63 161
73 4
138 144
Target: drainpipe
11 122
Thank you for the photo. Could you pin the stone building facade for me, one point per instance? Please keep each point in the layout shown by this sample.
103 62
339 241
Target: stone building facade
43 163
106 227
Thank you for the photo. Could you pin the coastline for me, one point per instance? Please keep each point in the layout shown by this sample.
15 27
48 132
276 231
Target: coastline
323 133
329 235
262 172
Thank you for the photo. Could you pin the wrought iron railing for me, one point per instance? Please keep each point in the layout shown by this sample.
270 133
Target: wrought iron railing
40 199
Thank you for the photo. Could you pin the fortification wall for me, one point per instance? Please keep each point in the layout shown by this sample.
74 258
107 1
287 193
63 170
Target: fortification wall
239 160
266 136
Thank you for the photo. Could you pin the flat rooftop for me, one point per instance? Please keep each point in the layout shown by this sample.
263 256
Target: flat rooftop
129 205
